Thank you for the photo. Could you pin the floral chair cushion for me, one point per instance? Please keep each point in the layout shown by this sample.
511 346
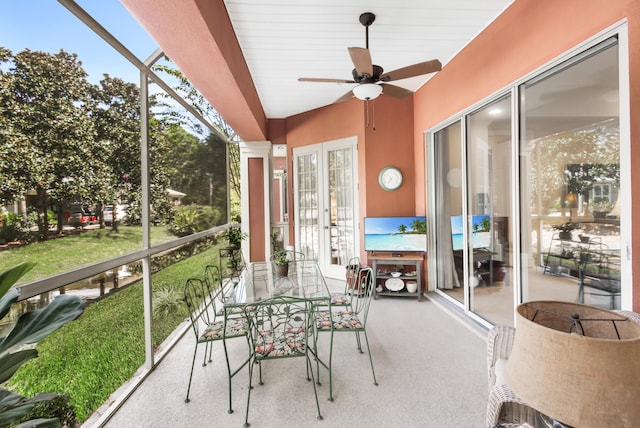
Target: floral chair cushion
339 299
280 343
235 327
342 320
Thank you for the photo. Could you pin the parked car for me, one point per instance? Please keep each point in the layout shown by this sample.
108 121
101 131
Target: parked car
120 210
80 216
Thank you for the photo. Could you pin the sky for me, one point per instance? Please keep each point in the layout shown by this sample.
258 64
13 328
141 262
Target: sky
48 26
386 225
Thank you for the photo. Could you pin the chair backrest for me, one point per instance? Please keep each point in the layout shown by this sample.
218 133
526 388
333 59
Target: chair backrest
196 297
212 278
232 262
292 255
276 319
362 295
214 287
353 269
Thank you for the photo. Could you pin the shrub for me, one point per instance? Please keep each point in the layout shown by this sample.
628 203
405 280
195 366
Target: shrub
190 219
166 301
185 221
15 228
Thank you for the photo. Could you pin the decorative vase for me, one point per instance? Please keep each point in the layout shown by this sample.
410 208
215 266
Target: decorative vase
282 270
565 235
412 286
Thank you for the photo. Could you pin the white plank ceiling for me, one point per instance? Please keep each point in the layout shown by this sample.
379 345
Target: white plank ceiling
286 39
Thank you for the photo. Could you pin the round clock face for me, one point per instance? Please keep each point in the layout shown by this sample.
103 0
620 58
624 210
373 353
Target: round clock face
390 178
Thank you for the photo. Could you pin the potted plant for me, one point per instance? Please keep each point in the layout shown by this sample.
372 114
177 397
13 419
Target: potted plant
235 236
232 252
281 260
565 230
600 208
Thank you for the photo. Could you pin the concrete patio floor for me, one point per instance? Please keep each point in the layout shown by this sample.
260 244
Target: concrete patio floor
430 365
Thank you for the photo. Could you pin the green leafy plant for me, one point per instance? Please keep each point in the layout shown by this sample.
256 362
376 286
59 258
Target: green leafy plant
14 227
566 227
166 301
15 349
235 236
280 257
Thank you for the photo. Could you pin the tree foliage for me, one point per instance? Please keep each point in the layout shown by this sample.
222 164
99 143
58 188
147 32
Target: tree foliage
216 144
71 141
116 114
47 133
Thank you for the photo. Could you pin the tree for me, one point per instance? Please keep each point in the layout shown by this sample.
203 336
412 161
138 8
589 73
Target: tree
46 127
202 106
116 114
185 171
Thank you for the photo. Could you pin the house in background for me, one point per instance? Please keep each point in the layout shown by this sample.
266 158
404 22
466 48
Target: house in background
175 197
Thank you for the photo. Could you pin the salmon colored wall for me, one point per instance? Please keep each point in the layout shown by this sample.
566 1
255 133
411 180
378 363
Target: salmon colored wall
277 131
256 208
320 125
389 144
527 35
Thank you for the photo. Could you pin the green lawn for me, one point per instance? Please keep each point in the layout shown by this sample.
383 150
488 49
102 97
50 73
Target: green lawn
89 358
62 254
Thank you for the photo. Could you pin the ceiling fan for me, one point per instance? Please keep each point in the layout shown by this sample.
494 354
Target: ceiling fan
370 78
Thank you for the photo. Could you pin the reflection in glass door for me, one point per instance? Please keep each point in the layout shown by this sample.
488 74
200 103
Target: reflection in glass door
326 208
570 179
447 217
489 192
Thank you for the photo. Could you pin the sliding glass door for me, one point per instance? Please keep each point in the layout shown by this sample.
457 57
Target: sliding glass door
537 217
570 178
450 236
489 199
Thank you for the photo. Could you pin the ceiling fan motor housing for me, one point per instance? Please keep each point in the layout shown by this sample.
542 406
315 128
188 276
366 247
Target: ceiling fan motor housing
377 72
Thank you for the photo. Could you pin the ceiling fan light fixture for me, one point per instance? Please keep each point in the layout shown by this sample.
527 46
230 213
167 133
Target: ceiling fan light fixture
367 91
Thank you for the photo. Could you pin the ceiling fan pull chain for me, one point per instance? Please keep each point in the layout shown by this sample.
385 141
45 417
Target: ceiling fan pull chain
371 116
366 104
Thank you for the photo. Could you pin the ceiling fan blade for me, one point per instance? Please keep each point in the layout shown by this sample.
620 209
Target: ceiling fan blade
412 70
361 59
345 97
395 91
321 80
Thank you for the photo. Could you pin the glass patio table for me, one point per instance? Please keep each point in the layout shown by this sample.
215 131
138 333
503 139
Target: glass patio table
259 282
280 313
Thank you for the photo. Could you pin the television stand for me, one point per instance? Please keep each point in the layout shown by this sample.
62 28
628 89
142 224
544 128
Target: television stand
410 268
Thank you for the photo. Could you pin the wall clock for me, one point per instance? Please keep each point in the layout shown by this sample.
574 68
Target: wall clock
390 178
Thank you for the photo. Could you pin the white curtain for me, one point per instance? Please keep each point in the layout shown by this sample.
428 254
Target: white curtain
447 276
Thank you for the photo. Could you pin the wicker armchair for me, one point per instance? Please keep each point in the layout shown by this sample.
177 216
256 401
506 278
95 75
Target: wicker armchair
504 407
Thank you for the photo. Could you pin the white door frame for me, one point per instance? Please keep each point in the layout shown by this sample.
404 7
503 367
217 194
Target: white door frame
323 216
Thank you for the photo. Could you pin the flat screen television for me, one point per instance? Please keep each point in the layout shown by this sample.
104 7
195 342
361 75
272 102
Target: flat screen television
480 232
395 234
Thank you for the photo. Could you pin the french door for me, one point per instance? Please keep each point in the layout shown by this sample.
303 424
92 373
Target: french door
326 203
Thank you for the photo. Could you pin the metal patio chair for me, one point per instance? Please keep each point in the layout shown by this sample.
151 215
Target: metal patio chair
352 319
279 328
210 326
